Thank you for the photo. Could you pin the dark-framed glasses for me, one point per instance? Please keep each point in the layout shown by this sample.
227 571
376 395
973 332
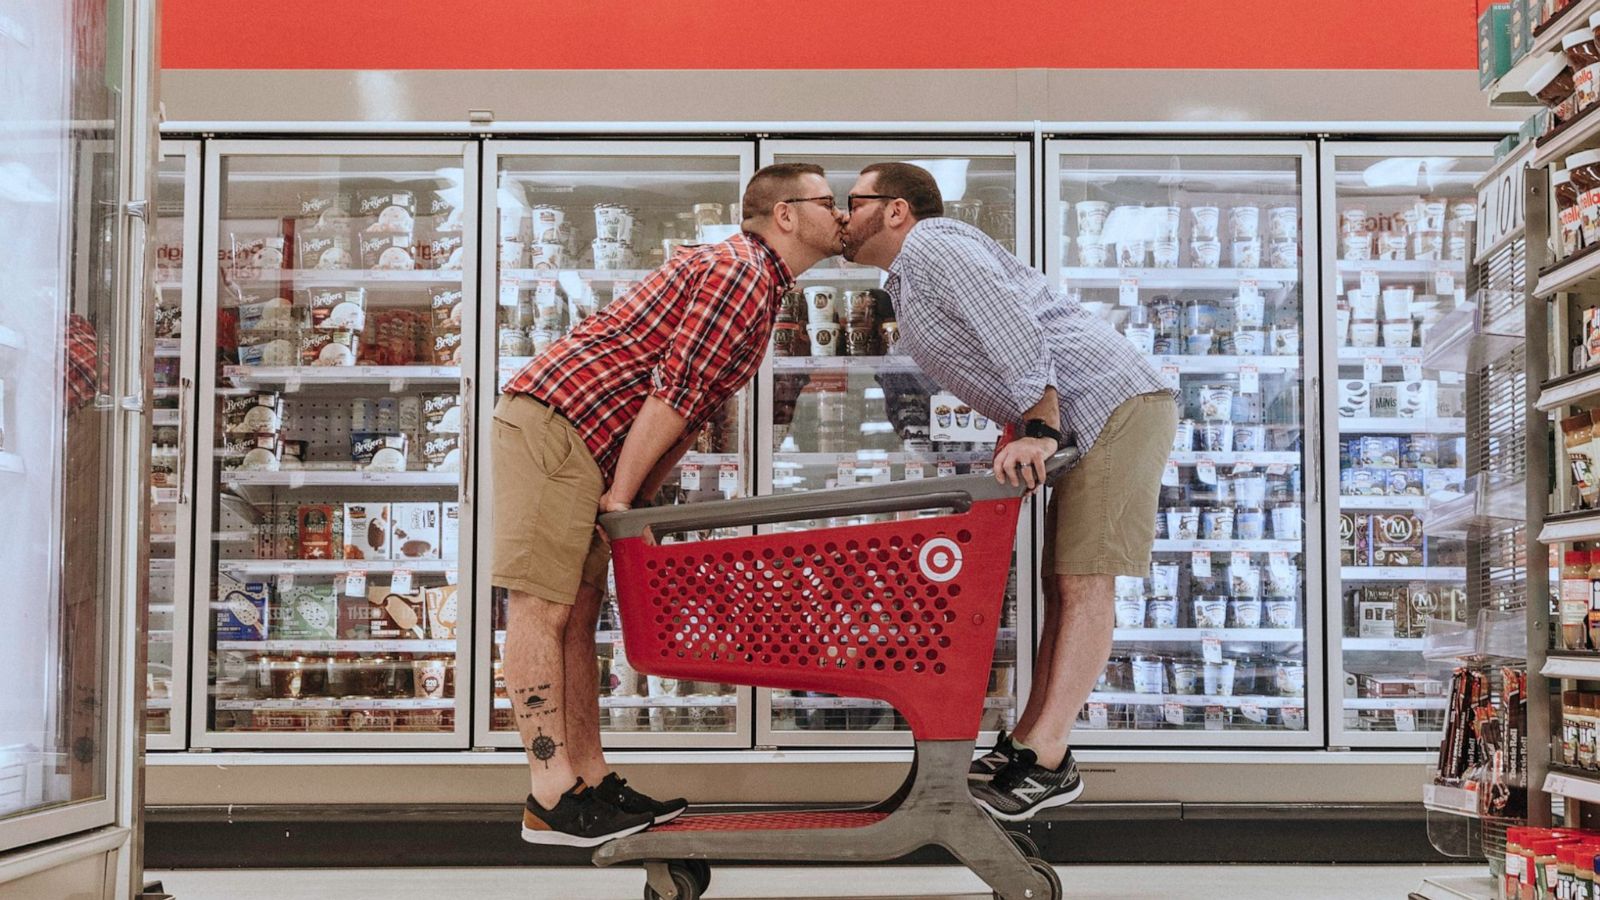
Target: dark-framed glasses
851 199
827 202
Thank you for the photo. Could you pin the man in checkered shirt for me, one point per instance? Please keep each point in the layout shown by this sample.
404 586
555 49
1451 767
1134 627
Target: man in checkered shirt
991 330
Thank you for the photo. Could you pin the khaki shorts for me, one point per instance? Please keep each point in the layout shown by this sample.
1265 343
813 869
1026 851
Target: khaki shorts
1101 519
546 498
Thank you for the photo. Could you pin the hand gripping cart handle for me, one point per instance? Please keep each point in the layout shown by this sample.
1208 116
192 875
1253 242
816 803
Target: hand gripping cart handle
904 611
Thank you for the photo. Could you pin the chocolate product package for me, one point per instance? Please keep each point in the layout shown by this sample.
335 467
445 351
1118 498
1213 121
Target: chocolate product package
358 615
416 530
1376 615
442 452
306 613
1396 539
441 413
325 250
242 609
1448 479
251 452
378 451
447 347
168 320
260 412
1404 483
1385 400
1420 451
388 251
445 302
440 251
327 209
1422 603
329 348
449 530
1378 451
251 253
1450 400
441 606
1352 532
315 530
337 309
1577 436
404 615
389 212
366 531
1363 482
1355 399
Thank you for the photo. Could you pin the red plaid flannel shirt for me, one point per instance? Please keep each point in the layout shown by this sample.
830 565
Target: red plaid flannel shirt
691 333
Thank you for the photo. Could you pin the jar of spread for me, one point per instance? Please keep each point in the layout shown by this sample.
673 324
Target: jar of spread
1583 55
1583 170
1552 84
1567 213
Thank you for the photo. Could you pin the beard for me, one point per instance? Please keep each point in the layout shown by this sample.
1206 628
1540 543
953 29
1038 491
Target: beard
858 232
826 240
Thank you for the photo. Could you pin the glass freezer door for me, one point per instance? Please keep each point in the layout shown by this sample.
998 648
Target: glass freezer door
1397 226
336 503
840 407
569 227
1195 252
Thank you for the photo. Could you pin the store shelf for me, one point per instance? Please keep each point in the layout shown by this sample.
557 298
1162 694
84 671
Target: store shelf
158 703
1420 271
11 463
164 418
168 348
164 538
1227 546
844 364
1391 356
1396 702
711 459
296 478
339 646
1458 342
1225 365
1196 635
338 703
1178 279
1401 426
1382 645
1403 573
163 496
1578 273
711 700
869 457
1569 389
1565 528
1457 887
334 567
1583 666
1581 133
1412 504
1261 458
293 376
871 276
307 278
1130 699
1574 786
1453 800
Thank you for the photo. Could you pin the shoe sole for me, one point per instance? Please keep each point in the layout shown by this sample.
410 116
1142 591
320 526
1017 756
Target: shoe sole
668 817
562 839
980 776
1047 803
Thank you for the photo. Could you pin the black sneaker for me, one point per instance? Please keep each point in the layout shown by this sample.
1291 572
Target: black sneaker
1018 791
614 790
984 767
580 819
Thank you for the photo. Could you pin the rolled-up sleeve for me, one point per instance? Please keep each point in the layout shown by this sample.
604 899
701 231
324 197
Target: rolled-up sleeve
710 346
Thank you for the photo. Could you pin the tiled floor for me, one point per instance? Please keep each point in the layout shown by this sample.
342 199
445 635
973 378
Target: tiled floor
1085 882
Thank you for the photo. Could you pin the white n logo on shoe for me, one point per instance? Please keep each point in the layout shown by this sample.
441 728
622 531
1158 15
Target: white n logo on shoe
1032 792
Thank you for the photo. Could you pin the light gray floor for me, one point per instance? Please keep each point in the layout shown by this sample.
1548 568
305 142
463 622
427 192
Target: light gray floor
728 883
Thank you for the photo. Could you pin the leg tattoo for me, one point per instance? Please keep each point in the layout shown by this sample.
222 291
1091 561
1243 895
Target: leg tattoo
544 748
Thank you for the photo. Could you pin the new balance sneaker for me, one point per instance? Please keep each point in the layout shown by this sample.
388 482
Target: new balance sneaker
579 819
1018 791
984 767
614 790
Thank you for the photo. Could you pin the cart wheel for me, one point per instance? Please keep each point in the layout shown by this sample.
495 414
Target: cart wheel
702 872
684 880
1024 844
1045 869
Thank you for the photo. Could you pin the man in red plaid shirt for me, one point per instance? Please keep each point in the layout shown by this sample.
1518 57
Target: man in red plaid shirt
593 425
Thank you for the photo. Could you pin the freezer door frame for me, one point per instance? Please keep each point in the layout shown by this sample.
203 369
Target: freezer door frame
1329 152
1056 149
216 151
494 150
177 736
998 147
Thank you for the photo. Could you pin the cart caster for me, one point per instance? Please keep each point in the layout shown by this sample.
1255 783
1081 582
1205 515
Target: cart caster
1024 844
702 872
1049 873
684 880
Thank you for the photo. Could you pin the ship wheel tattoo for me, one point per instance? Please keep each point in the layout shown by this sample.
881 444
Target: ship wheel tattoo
543 748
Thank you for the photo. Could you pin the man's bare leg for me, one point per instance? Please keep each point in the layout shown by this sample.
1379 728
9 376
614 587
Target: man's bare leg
1082 633
1043 660
536 681
583 688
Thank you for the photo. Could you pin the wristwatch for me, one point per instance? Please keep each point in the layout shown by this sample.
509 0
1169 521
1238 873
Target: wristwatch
1039 428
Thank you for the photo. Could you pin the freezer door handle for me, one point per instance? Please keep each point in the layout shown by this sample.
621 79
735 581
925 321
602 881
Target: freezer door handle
468 466
185 388
1316 438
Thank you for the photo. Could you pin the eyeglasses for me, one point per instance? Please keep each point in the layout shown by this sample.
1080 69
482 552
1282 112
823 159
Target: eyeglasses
852 198
827 202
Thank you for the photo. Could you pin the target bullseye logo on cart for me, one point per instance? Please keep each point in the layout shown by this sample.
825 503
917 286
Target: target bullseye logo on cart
940 560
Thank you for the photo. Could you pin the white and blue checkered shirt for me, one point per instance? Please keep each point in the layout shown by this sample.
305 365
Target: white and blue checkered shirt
990 330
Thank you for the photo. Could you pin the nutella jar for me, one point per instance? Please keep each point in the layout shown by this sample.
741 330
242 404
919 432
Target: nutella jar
1583 55
1567 213
1553 85
1584 171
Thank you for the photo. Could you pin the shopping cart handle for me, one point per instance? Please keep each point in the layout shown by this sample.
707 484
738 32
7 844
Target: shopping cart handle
958 493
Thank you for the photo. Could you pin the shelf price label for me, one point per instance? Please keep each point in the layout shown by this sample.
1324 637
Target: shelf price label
945 469
1206 470
1369 281
355 583
1169 375
689 477
728 480
1251 312
509 287
1169 474
1249 379
1278 564
846 473
1214 718
1211 649
1372 369
1173 713
1128 292
915 470
286 580
452 576
1200 562
1238 565
400 581
1411 367
1444 282
1405 720
1098 719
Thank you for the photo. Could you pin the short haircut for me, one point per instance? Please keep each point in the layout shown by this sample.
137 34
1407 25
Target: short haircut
772 185
914 184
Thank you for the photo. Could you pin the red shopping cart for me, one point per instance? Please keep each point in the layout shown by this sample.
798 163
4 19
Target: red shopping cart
904 611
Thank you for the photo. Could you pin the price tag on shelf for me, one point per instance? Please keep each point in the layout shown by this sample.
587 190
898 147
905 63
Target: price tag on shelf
509 288
1128 292
915 470
1277 469
1200 562
689 477
1098 719
1280 567
1249 379
1211 649
847 472
286 580
1461 295
1214 718
728 480
376 477
1206 470
1251 311
1405 720
1253 711
397 385
291 384
1238 564
1169 375
400 581
1411 367
1173 712
355 583
945 469
1444 282
1169 474
1372 369
452 576
297 479
1369 281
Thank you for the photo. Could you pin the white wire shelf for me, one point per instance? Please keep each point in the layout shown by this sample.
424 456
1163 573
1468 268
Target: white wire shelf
844 364
339 646
1414 504
1403 573
335 567
1382 645
1420 271
158 703
338 703
700 700
869 275
1197 635
164 418
786 702
1391 356
1236 700
168 348
1178 279
1225 365
1163 546
1401 426
295 478
306 278
869 457
292 376
1258 458
1396 702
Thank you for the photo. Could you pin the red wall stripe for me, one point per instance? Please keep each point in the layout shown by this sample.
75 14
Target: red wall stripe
819 34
